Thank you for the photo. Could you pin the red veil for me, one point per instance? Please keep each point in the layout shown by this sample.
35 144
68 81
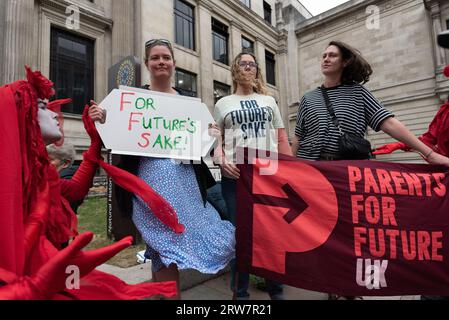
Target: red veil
34 217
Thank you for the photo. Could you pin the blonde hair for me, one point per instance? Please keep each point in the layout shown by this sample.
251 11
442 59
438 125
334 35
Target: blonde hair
259 85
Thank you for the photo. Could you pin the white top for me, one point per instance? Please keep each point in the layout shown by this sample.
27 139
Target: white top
249 121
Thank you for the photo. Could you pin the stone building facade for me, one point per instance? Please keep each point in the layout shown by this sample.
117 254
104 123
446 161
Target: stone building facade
117 29
398 38
401 47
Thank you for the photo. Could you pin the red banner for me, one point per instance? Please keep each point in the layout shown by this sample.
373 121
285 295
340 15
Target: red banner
345 227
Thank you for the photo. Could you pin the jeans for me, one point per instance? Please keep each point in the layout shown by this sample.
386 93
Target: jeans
229 188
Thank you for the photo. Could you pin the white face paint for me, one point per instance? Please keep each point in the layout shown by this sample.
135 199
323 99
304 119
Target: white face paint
48 121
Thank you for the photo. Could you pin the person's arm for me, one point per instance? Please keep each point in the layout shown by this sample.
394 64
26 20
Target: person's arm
228 170
300 130
295 145
397 130
78 187
283 144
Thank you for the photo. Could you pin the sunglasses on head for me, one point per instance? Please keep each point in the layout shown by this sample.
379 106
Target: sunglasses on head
153 42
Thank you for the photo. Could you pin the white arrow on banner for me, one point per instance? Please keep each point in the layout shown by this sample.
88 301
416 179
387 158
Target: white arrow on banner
154 124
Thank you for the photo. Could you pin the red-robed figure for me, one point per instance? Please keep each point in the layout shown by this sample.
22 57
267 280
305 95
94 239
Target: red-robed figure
35 215
436 137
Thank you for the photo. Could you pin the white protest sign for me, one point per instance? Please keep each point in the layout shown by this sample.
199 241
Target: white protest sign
154 124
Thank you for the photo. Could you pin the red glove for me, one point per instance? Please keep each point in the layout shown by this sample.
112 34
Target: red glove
52 276
95 140
391 147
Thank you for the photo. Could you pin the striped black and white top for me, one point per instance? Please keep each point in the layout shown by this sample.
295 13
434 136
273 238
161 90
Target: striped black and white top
356 109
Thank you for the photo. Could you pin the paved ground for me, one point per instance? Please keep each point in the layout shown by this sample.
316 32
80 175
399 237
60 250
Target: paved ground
200 287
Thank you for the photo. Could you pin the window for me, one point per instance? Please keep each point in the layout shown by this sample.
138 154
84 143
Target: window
247 45
220 38
184 25
267 12
186 83
221 90
246 3
271 67
72 69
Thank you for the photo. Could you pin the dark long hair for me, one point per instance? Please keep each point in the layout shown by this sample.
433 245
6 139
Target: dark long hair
357 70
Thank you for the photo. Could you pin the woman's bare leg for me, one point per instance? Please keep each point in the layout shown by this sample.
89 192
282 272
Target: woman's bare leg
170 273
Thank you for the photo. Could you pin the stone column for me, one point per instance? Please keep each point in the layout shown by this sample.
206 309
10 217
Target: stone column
205 81
19 46
2 37
259 51
283 77
123 31
139 42
235 40
435 13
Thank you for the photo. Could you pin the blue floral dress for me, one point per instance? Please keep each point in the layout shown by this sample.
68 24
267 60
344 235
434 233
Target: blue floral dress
207 244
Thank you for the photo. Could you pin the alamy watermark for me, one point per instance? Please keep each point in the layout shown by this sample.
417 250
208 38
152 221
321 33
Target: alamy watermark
72 281
73 19
373 20
261 143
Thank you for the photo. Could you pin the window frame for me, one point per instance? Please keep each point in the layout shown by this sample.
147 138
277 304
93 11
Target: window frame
182 17
267 6
220 31
223 86
72 64
270 60
191 75
244 49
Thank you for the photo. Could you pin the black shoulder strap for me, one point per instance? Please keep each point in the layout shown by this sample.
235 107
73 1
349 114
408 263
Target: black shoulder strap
330 108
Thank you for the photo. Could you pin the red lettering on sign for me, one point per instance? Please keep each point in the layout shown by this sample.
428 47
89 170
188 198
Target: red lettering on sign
355 175
384 181
370 182
146 137
392 235
398 182
131 119
123 102
437 243
440 189
359 239
388 210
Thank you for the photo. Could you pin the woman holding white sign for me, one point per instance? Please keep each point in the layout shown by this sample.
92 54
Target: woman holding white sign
251 118
207 244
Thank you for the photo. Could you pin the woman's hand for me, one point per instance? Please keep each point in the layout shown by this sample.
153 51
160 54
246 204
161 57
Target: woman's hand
229 170
214 131
96 113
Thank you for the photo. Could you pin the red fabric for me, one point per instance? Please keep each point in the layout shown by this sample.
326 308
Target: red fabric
12 256
35 218
62 224
446 72
78 186
438 134
161 208
50 279
353 228
390 148
436 137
